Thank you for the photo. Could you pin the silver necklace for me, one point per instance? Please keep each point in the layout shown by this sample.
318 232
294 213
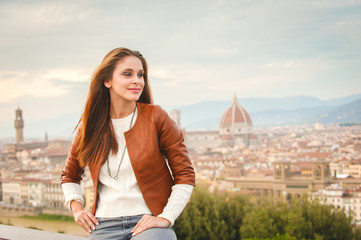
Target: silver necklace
125 146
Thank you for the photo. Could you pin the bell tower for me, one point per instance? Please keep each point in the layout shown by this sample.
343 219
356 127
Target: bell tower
19 126
281 170
175 114
321 171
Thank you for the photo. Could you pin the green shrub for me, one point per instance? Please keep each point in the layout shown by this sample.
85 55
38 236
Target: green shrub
223 216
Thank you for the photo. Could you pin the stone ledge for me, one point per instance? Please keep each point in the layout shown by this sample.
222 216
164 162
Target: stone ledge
18 233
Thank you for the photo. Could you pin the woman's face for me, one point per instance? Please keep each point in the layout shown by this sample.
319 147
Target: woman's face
127 82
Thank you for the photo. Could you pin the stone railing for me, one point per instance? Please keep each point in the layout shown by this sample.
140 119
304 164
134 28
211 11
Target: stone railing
18 233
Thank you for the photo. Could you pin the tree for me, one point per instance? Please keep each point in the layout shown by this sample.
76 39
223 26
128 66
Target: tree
211 216
231 216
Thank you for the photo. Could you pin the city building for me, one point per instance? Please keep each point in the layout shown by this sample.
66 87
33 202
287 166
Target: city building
348 199
283 183
235 130
19 126
236 126
175 115
280 162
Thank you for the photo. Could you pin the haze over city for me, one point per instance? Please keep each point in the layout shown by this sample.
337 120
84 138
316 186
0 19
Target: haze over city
197 51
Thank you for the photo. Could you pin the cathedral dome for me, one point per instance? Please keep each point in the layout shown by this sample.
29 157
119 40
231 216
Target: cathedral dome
235 120
236 114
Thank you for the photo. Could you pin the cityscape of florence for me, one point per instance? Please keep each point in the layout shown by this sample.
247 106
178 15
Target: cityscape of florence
266 95
317 161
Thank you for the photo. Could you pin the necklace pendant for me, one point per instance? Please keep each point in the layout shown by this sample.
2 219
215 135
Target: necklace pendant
116 177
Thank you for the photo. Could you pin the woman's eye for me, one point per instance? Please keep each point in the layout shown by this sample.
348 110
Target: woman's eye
140 75
128 74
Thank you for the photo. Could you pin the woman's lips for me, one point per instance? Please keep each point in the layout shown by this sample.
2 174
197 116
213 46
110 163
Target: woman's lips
134 90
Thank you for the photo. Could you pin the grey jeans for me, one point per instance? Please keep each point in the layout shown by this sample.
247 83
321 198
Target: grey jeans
119 228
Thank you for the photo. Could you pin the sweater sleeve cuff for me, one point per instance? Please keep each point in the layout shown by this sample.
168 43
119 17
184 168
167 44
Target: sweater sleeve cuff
176 202
72 191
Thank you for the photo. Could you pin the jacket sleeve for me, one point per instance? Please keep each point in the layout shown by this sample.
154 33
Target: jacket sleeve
72 171
171 144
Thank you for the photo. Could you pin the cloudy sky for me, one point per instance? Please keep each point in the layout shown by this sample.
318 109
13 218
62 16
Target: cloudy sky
197 50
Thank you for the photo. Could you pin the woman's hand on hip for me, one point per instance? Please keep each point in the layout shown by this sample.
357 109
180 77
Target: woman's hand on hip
83 217
148 221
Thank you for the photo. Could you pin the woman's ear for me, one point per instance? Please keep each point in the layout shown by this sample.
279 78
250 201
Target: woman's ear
107 84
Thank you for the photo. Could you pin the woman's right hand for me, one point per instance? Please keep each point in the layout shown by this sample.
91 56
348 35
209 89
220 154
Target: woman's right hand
83 217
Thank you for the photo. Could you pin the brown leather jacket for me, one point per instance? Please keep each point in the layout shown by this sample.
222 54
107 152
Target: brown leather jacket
153 138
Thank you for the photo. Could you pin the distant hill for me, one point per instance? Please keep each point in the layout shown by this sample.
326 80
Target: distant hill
348 113
342 101
274 111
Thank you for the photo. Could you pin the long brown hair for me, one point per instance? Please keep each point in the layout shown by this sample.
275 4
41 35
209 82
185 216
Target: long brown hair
96 137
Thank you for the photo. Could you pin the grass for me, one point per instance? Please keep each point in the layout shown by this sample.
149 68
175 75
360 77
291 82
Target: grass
7 223
50 217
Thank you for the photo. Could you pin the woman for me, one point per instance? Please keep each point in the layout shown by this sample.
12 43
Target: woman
140 167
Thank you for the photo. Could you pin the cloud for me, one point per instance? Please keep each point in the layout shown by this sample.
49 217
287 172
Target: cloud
46 83
312 64
68 75
40 16
196 51
280 64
